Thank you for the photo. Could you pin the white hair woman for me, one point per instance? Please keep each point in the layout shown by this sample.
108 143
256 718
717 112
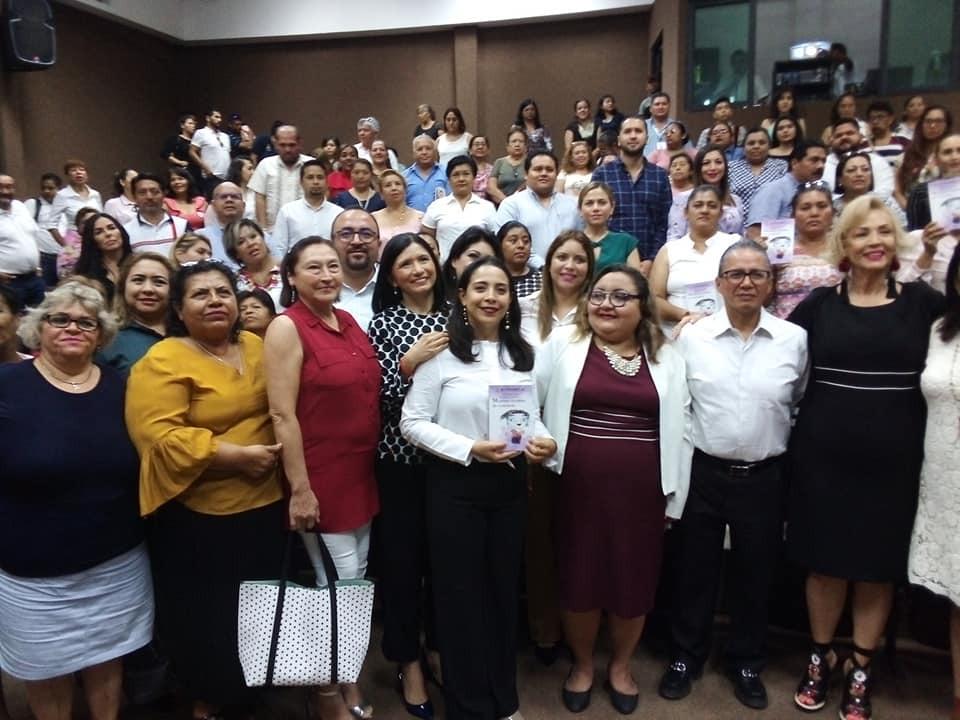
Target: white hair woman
75 588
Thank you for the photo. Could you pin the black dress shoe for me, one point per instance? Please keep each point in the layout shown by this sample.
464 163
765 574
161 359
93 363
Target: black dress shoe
574 701
622 703
749 689
677 681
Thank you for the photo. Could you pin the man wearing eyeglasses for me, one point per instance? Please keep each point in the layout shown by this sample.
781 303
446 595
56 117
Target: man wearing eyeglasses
19 253
227 206
773 200
356 236
746 371
846 138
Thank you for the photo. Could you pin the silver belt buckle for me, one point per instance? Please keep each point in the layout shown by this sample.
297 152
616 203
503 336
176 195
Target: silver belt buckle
740 470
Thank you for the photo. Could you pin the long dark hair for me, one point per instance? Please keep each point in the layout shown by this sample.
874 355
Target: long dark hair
723 187
181 173
536 118
90 262
288 295
468 237
798 131
920 149
847 157
835 108
178 288
386 295
649 335
461 332
774 113
950 324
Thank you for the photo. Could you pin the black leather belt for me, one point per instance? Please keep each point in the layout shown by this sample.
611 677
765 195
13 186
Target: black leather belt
736 468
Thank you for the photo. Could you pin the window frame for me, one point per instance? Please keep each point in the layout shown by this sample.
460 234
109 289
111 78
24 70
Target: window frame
884 88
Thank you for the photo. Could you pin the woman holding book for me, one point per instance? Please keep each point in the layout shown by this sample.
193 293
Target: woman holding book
476 489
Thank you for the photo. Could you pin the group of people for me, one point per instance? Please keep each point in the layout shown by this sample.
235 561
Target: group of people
507 368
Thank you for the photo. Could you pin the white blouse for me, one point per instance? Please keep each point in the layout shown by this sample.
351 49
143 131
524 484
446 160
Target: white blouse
445 411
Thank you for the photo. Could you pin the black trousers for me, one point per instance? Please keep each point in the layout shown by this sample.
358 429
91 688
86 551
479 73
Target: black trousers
401 532
752 505
475 517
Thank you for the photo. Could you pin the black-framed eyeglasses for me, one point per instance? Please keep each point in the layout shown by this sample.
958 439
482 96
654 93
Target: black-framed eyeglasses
618 298
63 320
738 276
346 234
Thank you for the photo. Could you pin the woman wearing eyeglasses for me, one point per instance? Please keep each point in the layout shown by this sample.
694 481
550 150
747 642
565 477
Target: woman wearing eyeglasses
855 475
75 589
323 381
683 273
614 396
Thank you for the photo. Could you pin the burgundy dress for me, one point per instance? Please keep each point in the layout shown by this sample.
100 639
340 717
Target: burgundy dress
610 504
339 414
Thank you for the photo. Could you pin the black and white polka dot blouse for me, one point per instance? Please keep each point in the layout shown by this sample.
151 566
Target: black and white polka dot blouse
393 332
528 284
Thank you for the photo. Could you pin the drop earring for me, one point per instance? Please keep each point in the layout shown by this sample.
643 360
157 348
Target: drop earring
466 320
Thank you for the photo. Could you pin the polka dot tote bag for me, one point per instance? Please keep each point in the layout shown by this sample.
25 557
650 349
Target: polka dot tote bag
294 635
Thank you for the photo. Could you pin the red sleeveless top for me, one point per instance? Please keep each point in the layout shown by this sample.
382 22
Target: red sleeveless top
339 414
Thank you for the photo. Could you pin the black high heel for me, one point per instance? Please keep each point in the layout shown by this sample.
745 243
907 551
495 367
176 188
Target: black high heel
428 671
424 711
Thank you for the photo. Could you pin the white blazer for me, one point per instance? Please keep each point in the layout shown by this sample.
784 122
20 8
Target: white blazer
559 365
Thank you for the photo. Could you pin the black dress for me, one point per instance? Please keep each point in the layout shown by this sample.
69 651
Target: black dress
858 443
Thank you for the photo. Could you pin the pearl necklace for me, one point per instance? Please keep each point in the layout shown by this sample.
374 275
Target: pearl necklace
619 363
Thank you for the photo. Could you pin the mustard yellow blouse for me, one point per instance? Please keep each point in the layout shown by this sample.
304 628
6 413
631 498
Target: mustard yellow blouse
180 404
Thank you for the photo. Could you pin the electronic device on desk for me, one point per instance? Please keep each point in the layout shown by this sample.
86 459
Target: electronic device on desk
810 78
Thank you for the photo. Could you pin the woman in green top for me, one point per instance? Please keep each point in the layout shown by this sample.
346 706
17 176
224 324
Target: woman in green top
143 294
509 173
596 206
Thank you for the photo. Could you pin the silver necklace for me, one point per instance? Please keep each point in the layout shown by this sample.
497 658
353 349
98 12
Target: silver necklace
65 381
619 363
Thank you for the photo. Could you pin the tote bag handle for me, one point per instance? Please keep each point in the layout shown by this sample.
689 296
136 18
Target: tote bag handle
331 570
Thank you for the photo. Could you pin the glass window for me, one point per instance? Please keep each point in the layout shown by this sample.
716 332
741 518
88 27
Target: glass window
918 44
721 64
782 24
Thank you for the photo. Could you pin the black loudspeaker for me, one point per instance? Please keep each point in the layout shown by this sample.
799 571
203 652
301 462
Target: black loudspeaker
29 35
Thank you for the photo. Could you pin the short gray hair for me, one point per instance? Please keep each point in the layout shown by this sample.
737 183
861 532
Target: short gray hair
66 294
370 122
424 136
748 245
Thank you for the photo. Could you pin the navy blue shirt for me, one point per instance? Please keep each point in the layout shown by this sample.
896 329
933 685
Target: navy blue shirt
69 474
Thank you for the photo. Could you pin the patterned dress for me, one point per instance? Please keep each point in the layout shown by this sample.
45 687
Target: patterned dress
795 280
935 546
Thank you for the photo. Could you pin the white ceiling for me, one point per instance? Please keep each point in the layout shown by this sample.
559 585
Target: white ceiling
202 21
